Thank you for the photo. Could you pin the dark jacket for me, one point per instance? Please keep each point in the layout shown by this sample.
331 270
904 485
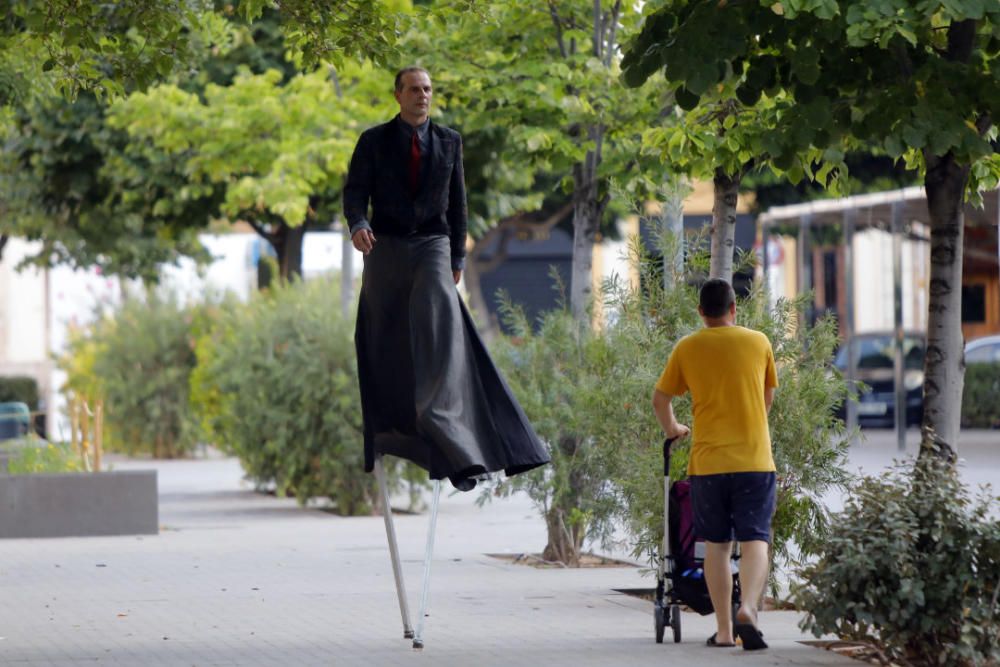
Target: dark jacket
379 174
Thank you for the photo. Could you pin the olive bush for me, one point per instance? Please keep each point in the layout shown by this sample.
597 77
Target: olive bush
138 358
276 385
587 392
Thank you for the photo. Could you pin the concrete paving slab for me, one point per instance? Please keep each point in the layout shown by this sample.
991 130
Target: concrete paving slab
239 578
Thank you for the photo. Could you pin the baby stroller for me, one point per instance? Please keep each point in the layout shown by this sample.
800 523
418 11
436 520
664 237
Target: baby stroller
680 578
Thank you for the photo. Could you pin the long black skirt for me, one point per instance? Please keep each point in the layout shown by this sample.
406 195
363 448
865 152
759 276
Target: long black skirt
429 391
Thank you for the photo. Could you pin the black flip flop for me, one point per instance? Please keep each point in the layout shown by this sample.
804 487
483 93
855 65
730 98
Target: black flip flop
711 641
752 638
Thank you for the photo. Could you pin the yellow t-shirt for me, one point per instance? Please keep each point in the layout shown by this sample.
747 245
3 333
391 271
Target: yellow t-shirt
726 369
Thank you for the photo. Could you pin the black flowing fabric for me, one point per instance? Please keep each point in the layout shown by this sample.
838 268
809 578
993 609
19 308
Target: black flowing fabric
429 391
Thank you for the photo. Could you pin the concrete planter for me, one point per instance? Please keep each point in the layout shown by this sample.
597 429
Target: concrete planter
79 504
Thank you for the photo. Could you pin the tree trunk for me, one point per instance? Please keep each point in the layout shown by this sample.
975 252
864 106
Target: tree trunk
582 276
724 224
566 535
588 208
287 243
944 364
673 190
565 542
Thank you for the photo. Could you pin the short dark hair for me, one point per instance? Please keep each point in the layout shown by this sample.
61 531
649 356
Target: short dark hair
407 70
716 297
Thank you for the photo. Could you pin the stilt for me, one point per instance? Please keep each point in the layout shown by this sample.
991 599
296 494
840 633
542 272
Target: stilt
418 638
390 532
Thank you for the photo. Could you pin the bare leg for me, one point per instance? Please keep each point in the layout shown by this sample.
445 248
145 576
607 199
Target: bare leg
719 577
753 576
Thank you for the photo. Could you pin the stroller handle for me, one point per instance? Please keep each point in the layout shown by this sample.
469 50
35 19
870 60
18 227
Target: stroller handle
667 443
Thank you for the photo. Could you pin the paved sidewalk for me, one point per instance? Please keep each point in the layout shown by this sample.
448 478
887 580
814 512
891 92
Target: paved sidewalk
237 578
978 457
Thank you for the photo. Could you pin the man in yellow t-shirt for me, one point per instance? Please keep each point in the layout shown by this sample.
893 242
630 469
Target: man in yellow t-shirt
730 373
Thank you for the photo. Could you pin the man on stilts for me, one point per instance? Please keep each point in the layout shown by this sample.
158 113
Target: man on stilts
429 391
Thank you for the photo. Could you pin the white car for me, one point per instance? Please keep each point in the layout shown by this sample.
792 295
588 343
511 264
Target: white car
984 350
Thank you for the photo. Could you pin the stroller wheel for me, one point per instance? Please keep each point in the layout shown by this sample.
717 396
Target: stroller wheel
659 623
675 622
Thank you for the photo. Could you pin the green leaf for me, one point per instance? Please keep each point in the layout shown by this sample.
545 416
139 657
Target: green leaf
686 99
805 65
914 137
747 95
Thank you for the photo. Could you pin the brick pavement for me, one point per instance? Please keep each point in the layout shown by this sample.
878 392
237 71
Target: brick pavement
238 578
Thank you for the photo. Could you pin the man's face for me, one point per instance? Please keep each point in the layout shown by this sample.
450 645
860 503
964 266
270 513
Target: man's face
415 97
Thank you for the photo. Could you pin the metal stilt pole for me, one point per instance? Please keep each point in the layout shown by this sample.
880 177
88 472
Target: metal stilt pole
390 532
418 638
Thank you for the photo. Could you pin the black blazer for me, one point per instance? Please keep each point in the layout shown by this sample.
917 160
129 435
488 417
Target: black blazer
379 173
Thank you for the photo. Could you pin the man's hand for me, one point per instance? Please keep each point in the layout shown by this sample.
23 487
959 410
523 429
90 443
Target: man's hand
677 430
457 274
664 412
364 240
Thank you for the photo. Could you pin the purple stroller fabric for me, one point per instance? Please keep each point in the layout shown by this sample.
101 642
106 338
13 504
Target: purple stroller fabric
682 535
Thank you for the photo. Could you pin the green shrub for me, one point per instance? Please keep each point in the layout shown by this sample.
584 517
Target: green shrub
981 396
48 457
553 371
276 385
588 394
913 566
19 389
138 359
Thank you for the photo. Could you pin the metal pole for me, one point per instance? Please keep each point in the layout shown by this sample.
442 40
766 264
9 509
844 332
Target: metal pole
666 507
418 638
805 262
390 532
897 303
850 219
346 271
765 261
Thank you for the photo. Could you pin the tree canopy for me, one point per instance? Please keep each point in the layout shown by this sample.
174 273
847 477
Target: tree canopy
280 152
112 48
546 76
918 79
92 197
98 196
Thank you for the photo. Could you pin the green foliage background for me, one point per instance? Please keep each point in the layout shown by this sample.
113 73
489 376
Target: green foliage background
272 381
980 404
276 385
138 359
44 458
21 389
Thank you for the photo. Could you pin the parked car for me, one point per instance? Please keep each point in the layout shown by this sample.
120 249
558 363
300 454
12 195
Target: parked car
874 358
984 350
15 420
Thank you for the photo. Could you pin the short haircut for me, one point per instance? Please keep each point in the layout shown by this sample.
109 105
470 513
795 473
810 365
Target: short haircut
407 70
715 298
